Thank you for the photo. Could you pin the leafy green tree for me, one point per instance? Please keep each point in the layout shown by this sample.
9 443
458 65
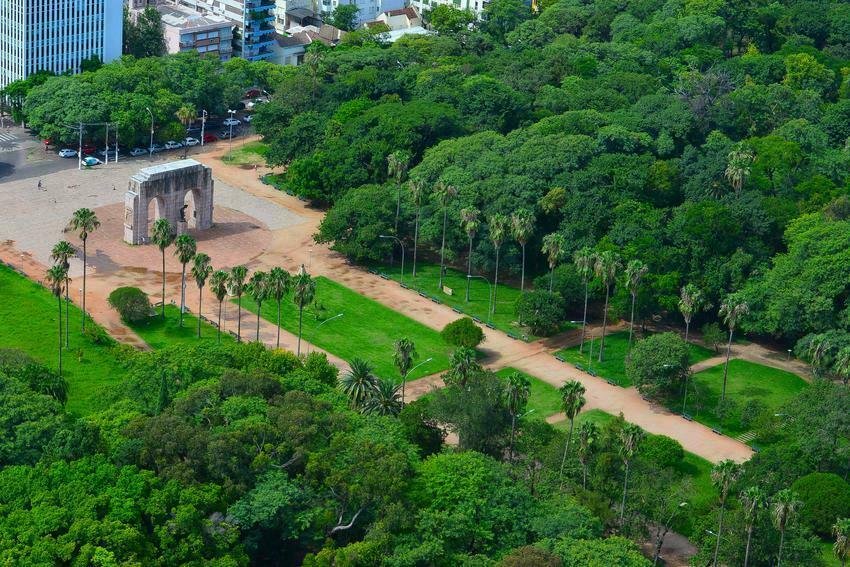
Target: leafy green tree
659 364
344 17
723 476
784 508
445 19
470 223
823 497
384 399
61 253
553 246
502 16
803 72
518 390
185 248
236 286
55 278
303 293
144 35
131 303
279 282
258 287
404 353
356 222
218 285
572 400
585 262
463 332
606 265
614 550
541 311
630 438
84 221
162 234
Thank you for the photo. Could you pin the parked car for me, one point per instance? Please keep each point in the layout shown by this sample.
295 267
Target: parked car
88 149
112 152
248 118
225 134
210 138
135 152
156 148
67 153
172 145
231 122
90 161
191 141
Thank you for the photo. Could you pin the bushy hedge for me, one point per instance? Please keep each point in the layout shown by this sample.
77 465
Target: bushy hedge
825 497
131 303
463 332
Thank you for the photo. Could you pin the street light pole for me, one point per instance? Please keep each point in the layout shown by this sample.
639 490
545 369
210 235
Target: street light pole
80 150
490 296
404 378
231 113
400 243
203 124
150 148
337 316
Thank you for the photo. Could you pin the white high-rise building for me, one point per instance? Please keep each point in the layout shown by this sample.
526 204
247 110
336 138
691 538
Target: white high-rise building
56 35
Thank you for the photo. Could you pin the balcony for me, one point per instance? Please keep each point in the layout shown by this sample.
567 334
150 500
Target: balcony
259 5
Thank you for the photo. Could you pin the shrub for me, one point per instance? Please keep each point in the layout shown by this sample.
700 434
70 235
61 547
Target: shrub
713 335
131 303
530 556
463 333
658 364
567 282
662 451
541 311
825 497
97 336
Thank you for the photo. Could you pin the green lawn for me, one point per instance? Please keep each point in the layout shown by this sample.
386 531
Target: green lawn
367 329
746 381
30 323
828 555
545 399
248 154
159 334
613 367
428 279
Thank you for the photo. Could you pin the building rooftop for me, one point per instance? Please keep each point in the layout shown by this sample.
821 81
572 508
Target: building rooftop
186 18
156 171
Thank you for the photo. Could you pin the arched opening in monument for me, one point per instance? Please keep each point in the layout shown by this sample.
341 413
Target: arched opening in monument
188 209
156 210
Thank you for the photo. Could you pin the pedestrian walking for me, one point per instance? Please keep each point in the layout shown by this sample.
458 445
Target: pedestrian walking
39 184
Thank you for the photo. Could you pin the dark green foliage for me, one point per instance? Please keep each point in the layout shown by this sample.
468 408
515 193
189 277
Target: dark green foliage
144 35
463 332
596 552
713 336
131 303
658 364
662 451
825 498
530 556
344 17
541 311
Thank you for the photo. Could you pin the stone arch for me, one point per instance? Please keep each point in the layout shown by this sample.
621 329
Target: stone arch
168 185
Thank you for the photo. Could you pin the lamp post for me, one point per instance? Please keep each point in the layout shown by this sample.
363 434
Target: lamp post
660 542
404 378
203 124
400 243
337 316
150 147
489 298
232 114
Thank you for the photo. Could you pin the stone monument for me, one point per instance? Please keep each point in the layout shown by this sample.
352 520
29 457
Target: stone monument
167 185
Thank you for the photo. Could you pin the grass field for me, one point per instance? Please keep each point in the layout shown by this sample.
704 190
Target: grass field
367 329
159 334
30 323
428 279
252 153
545 399
747 381
613 367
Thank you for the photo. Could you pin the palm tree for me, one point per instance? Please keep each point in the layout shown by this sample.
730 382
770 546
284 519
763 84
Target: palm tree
606 265
522 227
463 363
841 366
469 220
236 286
738 167
691 301
383 399
278 282
84 221
572 400
218 285
397 164
587 434
444 193
185 114
723 476
498 230
358 382
201 270
553 247
630 437
162 235
635 270
783 509
404 352
55 278
753 500
841 547
731 310
258 287
417 187
61 255
584 260
819 348
517 393
185 249
303 292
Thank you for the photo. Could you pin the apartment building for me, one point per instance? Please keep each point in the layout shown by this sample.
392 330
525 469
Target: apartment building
56 35
188 30
253 34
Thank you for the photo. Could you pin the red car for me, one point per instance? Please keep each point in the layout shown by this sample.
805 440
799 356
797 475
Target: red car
209 138
88 149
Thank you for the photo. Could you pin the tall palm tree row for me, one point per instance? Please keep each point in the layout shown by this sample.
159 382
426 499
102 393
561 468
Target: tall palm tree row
517 393
185 249
55 278
201 270
444 194
553 246
606 266
278 282
236 286
783 508
417 188
753 501
303 293
84 221
218 286
404 353
723 476
162 235
61 254
572 401
258 287
498 226
634 273
522 227
584 260
469 220
630 438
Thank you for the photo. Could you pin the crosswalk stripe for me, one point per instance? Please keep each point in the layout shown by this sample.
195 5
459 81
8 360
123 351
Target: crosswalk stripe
8 137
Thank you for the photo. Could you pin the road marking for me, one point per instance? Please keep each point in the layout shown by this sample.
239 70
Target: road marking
7 137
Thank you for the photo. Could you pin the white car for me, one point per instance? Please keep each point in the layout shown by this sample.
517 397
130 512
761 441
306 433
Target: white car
231 122
156 148
67 153
191 141
89 161
136 152
249 117
172 145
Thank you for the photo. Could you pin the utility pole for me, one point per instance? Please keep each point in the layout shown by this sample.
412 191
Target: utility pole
203 123
80 150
